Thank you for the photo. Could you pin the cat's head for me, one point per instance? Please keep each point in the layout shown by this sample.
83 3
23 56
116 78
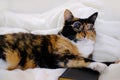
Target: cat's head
78 28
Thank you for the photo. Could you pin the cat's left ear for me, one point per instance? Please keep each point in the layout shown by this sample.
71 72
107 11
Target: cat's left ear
68 16
93 17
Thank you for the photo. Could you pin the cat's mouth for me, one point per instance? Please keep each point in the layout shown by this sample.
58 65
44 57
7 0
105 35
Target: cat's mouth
76 40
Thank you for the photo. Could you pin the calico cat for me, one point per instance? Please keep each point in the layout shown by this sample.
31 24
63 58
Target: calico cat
80 31
26 50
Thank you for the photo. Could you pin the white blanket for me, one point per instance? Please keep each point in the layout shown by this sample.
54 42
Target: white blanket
107 47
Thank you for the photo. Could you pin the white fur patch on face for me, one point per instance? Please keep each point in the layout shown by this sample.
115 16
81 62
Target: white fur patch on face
85 47
3 64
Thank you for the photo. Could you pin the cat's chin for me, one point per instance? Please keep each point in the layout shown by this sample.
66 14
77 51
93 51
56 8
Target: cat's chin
85 46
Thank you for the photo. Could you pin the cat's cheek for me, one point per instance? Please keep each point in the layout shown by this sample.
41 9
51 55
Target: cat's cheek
3 64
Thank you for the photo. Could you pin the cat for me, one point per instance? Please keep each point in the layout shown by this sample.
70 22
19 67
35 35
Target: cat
80 31
27 50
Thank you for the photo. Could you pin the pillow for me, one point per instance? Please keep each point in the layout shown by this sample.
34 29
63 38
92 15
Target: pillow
6 30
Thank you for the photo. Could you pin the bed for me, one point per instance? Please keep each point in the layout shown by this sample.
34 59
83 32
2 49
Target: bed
46 17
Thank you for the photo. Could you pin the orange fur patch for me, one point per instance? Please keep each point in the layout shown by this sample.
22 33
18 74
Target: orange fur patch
13 58
29 64
63 45
91 35
77 63
9 38
21 45
80 35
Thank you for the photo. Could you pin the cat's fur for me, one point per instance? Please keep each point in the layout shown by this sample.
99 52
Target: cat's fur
80 31
25 50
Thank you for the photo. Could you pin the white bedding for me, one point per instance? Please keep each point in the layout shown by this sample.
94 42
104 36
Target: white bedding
107 47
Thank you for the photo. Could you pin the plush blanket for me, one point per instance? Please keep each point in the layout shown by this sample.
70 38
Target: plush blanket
107 47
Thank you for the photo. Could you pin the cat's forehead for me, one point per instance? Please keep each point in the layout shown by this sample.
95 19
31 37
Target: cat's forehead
76 19
81 20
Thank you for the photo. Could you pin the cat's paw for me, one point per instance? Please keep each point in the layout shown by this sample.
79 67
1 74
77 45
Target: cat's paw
100 67
118 61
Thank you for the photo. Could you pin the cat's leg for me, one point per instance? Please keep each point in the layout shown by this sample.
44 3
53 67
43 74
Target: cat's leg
78 62
12 58
30 63
100 67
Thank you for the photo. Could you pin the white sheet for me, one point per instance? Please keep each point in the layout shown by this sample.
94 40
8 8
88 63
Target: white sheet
107 47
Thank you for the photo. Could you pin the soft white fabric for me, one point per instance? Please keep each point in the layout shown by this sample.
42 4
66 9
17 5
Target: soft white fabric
13 18
31 74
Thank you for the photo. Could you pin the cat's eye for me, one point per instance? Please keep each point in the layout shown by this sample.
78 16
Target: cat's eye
77 26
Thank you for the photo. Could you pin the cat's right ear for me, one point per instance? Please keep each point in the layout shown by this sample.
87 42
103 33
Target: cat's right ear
93 17
68 16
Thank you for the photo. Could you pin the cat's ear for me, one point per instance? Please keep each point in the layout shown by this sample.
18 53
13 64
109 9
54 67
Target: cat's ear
93 17
68 16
